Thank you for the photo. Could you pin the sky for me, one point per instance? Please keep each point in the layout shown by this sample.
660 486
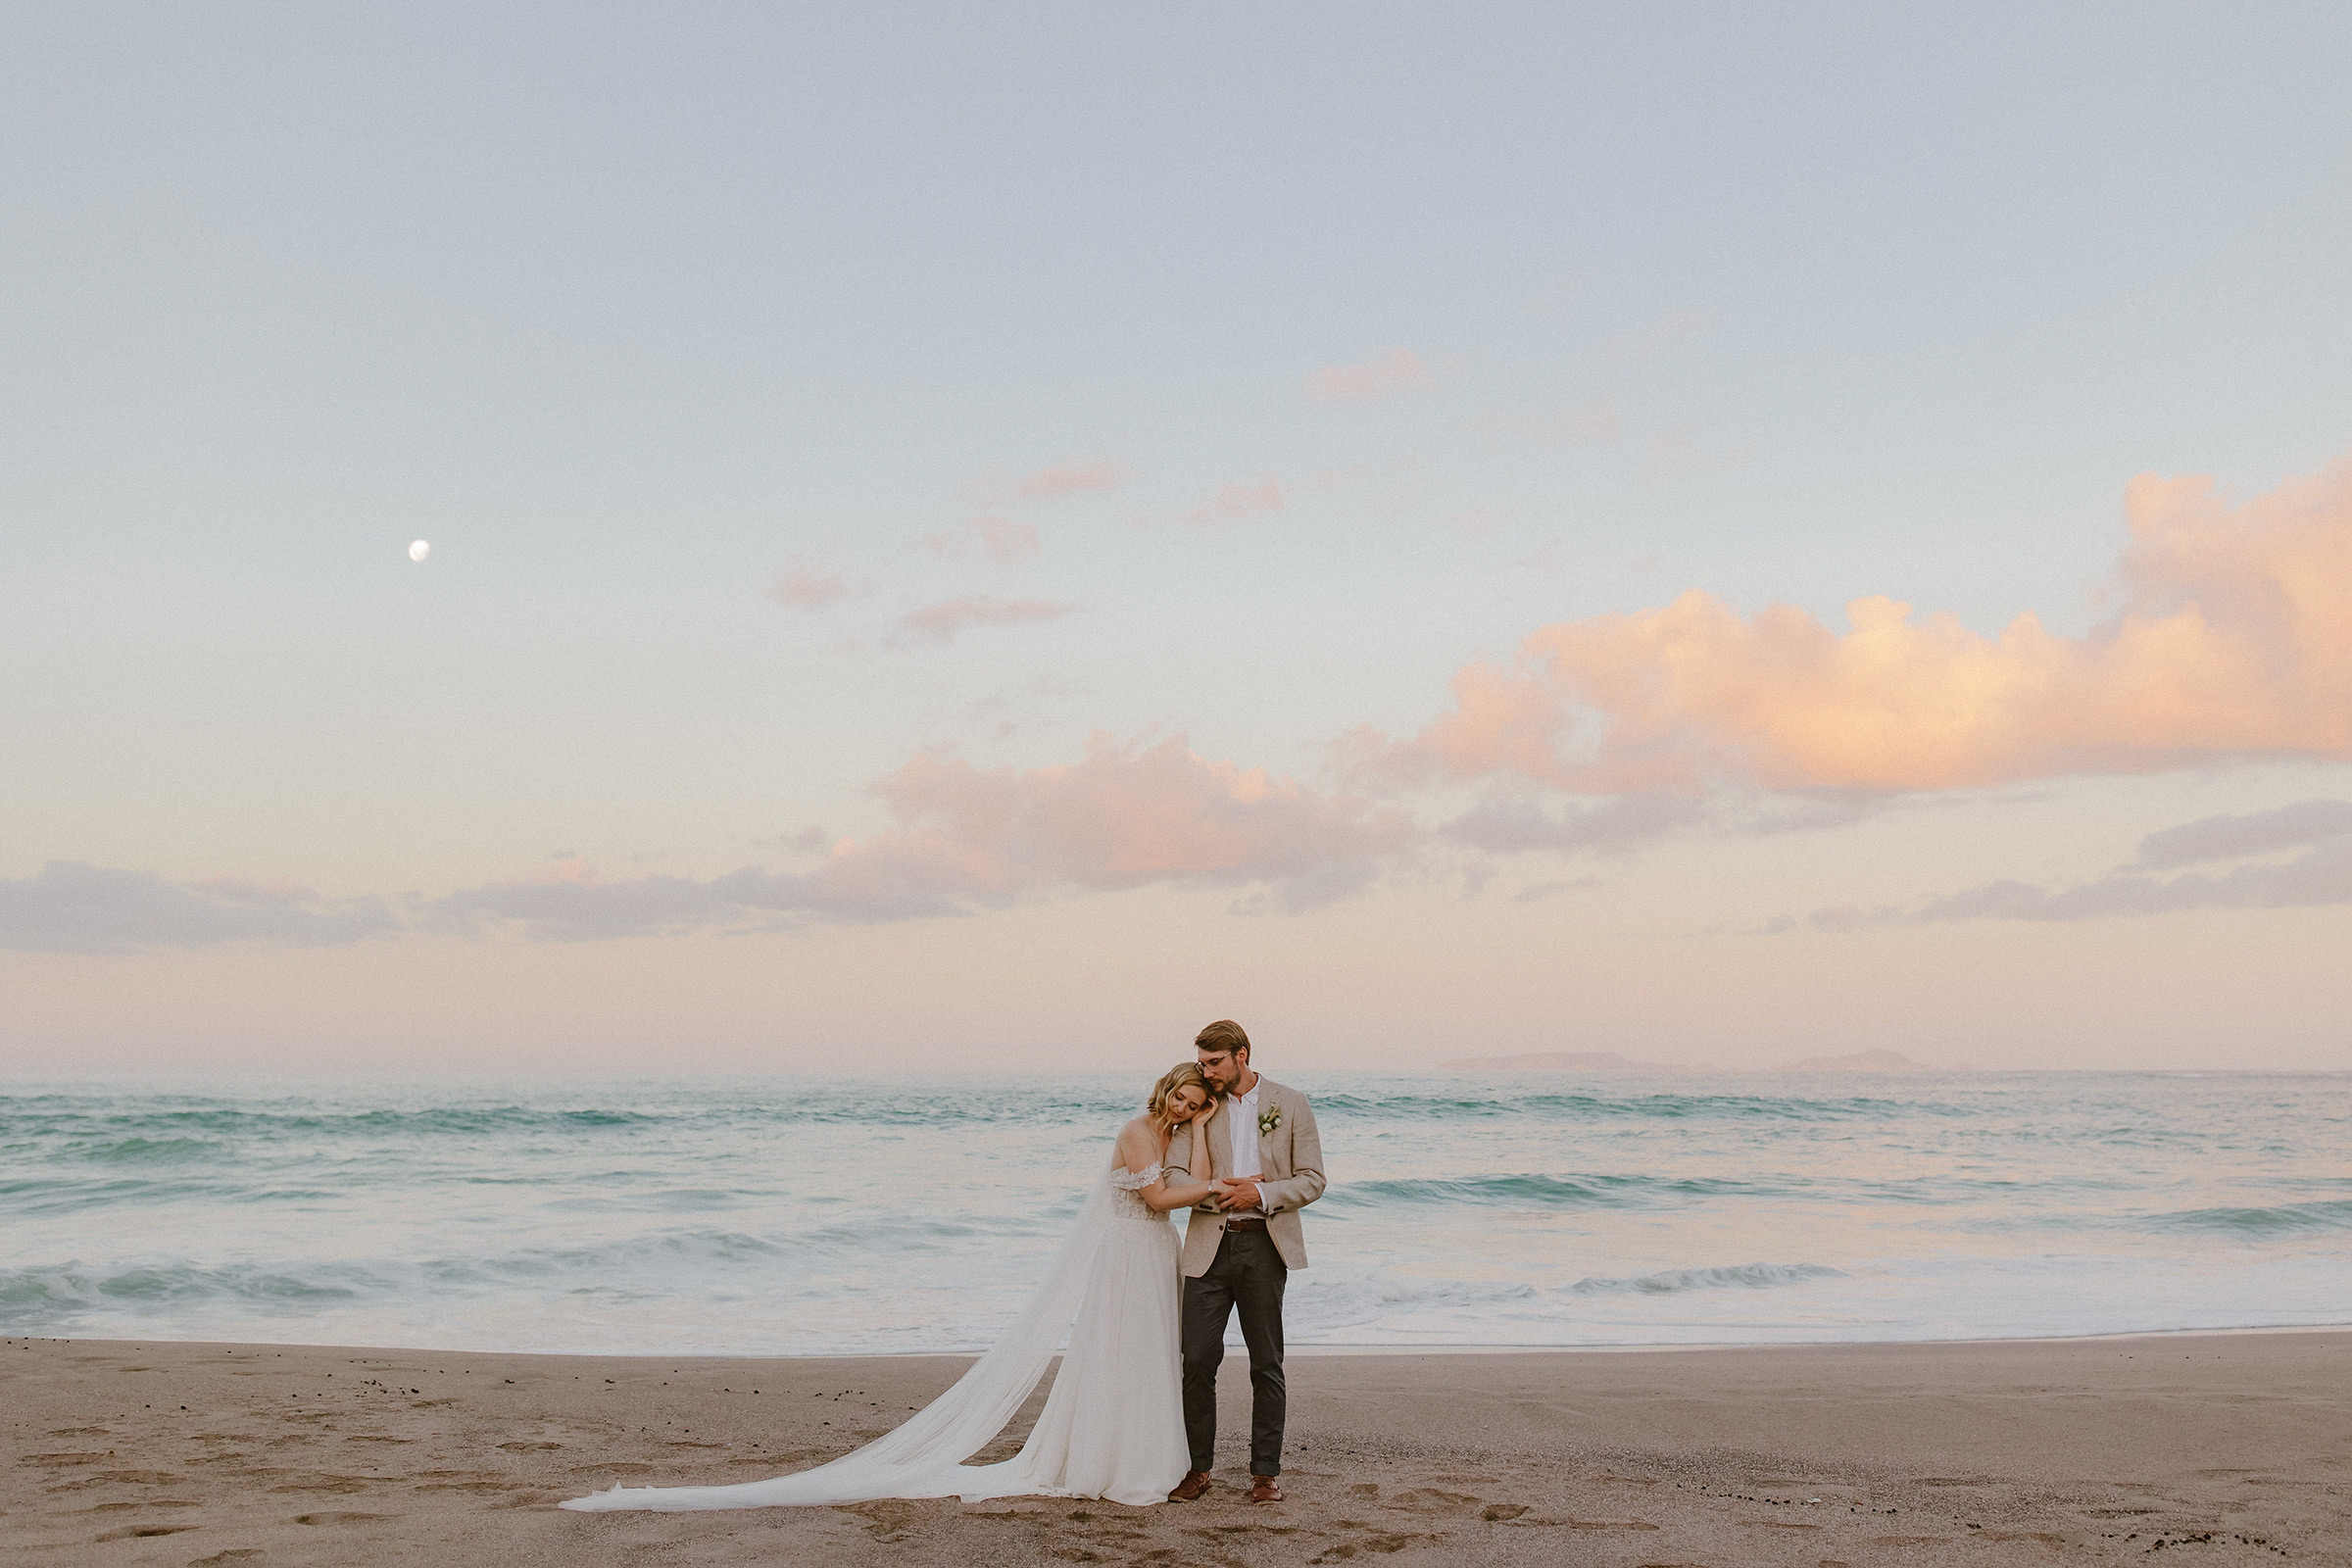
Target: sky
971 536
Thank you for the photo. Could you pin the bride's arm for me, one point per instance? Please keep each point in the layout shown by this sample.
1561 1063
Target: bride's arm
1137 1155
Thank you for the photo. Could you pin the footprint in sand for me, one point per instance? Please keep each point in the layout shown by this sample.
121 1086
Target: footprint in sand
1383 1543
327 1482
888 1519
123 1478
339 1518
134 1532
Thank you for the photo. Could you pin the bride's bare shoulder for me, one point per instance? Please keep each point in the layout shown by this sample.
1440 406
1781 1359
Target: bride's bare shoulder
1138 1146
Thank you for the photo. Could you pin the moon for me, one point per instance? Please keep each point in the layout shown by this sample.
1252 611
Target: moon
420 549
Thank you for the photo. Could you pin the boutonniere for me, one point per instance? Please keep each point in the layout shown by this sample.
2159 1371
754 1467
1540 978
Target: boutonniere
1267 1120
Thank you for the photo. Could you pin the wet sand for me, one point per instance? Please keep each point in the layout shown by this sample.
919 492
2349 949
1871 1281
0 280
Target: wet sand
2213 1449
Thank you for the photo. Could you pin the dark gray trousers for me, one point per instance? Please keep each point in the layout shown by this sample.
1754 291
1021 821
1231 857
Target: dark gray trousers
1248 1274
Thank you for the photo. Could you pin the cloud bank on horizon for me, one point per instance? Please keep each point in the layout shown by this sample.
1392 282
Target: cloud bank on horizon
2320 875
69 907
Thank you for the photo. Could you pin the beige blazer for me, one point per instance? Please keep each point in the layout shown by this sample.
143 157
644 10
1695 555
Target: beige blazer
1290 1154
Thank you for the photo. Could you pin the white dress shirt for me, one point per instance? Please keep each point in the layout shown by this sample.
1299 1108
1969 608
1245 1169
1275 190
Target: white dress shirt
1241 1114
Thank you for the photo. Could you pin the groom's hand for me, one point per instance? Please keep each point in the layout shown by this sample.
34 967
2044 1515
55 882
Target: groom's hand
1241 1194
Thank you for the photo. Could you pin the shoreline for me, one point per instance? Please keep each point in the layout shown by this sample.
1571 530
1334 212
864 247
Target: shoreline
1987 1454
1293 1352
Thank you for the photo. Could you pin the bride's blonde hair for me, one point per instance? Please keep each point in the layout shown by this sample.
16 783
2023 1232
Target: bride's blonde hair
1175 1078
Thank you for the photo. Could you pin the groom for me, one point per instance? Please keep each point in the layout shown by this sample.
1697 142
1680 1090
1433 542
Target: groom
1239 1250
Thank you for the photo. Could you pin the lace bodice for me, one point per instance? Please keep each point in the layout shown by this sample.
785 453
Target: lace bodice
1127 1194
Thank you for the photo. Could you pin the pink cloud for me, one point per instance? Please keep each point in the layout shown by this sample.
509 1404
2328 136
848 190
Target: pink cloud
1056 481
806 584
1233 501
1402 371
1078 477
1006 541
940 622
2234 641
1122 816
1237 502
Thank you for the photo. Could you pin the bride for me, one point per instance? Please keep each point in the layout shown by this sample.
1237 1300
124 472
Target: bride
1113 1426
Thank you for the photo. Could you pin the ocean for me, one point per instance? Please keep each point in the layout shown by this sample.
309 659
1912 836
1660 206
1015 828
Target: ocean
775 1217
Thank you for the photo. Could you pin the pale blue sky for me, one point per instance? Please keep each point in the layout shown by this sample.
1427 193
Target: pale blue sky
625 309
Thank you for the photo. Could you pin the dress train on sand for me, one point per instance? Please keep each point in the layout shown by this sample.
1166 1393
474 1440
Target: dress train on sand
1113 1426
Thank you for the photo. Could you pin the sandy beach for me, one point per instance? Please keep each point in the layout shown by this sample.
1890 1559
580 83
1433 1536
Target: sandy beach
2228 1447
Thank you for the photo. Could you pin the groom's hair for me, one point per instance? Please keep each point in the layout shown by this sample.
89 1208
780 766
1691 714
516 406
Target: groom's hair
1223 1035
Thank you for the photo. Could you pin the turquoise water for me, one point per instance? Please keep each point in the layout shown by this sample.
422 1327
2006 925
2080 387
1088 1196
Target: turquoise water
766 1215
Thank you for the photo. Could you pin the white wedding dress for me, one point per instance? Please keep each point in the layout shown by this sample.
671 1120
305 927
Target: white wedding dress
1113 1426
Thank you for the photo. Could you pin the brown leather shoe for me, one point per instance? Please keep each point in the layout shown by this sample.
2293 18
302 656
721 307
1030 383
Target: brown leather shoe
1263 1489
1189 1489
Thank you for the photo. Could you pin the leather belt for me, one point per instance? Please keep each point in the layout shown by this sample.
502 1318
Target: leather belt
1245 1222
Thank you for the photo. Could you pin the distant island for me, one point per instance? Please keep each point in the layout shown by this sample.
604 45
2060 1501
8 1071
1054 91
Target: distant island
1860 1061
1562 1062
